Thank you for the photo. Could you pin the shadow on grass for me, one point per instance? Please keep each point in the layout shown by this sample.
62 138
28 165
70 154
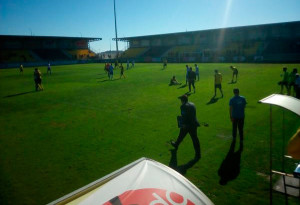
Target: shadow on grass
232 82
212 100
174 84
187 93
182 169
101 77
18 94
102 74
102 81
230 167
183 86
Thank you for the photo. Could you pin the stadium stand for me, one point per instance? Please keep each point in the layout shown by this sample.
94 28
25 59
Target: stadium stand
39 50
81 54
51 54
279 42
11 56
134 52
156 51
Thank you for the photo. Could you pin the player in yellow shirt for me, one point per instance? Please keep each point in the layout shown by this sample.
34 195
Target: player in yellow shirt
218 82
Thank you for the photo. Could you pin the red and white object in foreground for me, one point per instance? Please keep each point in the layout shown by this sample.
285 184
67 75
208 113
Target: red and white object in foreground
143 182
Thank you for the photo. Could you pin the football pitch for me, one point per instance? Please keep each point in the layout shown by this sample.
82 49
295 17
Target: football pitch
84 126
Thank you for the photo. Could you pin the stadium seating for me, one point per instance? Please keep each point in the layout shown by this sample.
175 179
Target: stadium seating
11 56
155 52
81 54
51 54
176 50
134 52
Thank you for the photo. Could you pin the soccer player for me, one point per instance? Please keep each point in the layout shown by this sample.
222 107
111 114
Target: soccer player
188 124
49 69
192 78
235 73
21 69
122 71
165 64
297 85
111 71
237 106
116 64
173 81
37 75
197 71
285 79
292 79
127 65
218 82
187 73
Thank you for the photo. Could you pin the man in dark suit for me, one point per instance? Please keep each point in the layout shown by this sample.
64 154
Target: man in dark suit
188 124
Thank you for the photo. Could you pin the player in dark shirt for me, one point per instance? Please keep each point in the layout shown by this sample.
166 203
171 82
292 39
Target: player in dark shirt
191 79
235 73
122 71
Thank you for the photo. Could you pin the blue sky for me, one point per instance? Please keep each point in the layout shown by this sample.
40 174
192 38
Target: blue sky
95 18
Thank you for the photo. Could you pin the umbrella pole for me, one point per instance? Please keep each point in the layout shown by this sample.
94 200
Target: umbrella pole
270 154
283 140
283 168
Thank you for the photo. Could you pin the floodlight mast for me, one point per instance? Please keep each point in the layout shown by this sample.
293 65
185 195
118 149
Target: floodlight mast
116 29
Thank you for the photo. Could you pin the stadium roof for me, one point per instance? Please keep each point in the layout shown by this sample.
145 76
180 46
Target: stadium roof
296 23
49 37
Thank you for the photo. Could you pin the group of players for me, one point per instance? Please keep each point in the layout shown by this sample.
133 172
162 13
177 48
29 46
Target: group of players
291 81
37 76
188 122
192 76
109 68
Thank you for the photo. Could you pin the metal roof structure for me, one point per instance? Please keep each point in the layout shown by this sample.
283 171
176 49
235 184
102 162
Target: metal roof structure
287 102
295 23
9 37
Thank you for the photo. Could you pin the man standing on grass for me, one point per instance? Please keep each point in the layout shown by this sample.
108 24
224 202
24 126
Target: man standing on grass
235 73
285 80
37 75
188 123
127 65
297 85
111 71
197 71
122 71
191 79
21 69
187 73
237 114
49 69
292 79
218 82
165 64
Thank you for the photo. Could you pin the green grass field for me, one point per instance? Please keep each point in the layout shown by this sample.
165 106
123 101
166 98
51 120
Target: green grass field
83 126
